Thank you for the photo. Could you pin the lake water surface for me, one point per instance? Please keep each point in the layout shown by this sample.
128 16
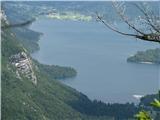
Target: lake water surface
99 56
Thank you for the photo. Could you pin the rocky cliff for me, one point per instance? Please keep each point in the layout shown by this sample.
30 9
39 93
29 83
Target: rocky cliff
24 66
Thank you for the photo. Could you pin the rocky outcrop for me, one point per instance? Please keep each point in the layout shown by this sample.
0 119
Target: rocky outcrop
2 15
24 66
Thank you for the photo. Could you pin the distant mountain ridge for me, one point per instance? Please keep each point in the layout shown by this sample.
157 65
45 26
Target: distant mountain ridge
105 8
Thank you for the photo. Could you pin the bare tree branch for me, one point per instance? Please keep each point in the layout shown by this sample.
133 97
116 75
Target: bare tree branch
124 18
146 37
154 36
112 28
148 18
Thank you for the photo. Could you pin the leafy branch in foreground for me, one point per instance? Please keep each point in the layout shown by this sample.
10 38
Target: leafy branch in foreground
156 103
143 115
146 115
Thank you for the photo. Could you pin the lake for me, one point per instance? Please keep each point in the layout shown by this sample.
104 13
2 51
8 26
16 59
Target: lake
99 56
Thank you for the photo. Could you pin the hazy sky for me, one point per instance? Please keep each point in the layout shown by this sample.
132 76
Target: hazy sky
79 0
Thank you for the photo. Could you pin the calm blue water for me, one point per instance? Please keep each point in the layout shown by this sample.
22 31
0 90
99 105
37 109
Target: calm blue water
99 56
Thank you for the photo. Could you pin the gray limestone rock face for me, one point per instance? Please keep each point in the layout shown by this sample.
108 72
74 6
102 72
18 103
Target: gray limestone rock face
24 66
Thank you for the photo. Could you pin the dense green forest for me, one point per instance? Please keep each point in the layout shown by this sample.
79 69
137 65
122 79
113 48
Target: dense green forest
148 56
56 72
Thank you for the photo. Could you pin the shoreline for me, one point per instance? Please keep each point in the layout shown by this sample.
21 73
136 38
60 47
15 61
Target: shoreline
143 62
